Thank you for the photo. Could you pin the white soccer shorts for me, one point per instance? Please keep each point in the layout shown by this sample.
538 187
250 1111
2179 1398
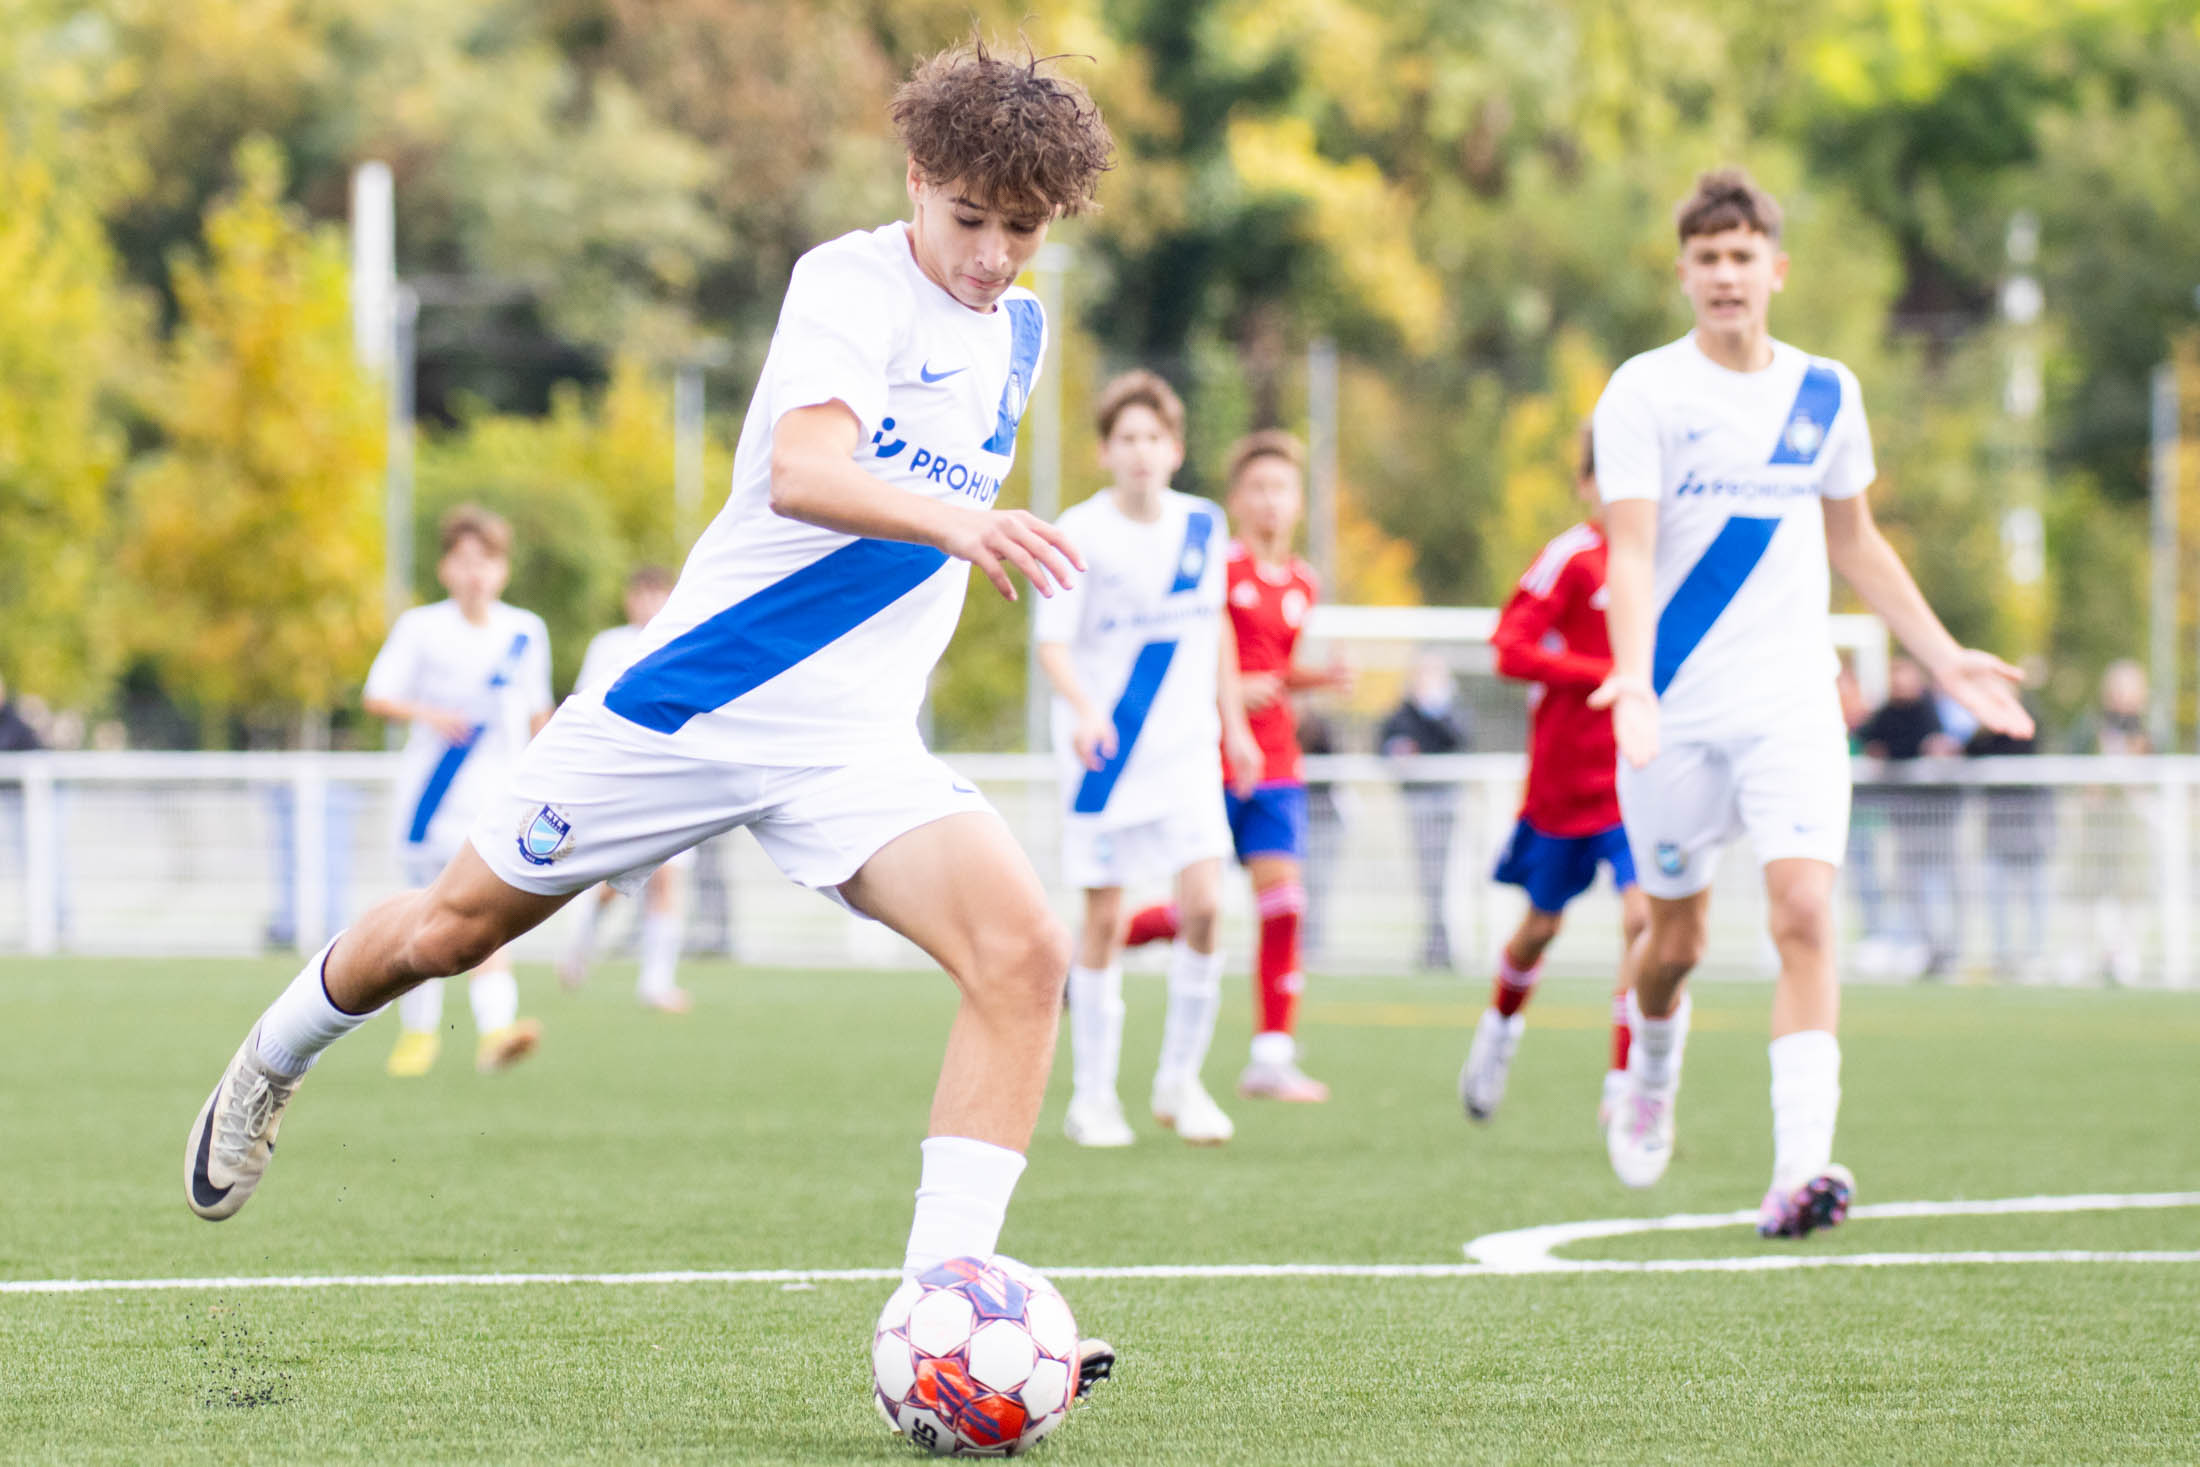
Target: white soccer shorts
588 803
1155 850
1788 791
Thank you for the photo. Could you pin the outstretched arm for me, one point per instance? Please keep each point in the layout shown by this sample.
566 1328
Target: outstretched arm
1518 643
815 479
1983 683
1631 538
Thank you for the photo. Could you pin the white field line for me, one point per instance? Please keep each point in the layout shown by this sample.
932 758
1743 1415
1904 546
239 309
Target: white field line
1522 1251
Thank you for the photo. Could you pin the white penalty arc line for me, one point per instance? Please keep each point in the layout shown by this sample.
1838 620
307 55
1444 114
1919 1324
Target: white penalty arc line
1496 1255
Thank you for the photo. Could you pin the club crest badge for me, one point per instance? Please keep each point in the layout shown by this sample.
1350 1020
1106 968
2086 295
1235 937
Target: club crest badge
1803 438
546 836
1672 860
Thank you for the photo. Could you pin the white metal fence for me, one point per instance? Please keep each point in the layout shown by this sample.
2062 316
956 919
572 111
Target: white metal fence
2039 869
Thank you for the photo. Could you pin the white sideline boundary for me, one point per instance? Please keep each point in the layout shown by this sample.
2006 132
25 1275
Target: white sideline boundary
1494 1255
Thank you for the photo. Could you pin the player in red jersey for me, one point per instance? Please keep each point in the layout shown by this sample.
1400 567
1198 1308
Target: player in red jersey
1552 634
1271 591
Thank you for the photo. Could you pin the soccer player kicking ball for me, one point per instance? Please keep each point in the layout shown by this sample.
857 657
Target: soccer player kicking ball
1552 634
1145 683
658 987
1733 470
779 687
1271 592
471 676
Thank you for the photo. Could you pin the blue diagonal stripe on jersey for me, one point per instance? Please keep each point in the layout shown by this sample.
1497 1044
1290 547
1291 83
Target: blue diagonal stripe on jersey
1191 561
446 768
1818 403
761 636
1706 590
1130 717
1026 329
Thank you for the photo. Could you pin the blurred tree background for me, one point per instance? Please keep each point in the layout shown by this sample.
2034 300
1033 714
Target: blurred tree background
1472 197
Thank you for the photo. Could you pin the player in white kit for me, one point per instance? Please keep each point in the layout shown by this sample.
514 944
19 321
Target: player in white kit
609 651
471 676
1733 470
780 686
1144 672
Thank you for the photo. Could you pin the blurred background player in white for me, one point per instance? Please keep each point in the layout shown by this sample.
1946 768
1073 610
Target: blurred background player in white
1145 684
658 987
1733 470
1552 634
1271 592
779 688
471 675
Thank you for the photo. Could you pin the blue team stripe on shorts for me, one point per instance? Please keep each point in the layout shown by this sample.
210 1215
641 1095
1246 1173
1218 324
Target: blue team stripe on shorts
1707 590
1130 717
761 636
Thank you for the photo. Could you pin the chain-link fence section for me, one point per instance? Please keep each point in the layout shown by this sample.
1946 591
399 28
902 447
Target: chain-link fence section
2033 869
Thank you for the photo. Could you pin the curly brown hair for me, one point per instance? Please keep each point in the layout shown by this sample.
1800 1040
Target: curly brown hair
1018 138
1723 199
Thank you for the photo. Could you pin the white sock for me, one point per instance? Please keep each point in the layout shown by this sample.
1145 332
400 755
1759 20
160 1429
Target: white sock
420 1008
588 911
660 953
1806 1100
495 996
1655 1049
1095 1030
962 1200
1195 998
1274 1047
303 1021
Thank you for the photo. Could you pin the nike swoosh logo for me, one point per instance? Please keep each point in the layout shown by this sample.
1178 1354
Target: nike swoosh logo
203 1190
1692 434
927 374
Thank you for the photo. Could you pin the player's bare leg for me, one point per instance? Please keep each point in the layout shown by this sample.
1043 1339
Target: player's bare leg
1809 1189
587 917
657 985
1634 930
1095 1116
451 927
1639 1137
1279 897
1497 1033
961 889
1180 1100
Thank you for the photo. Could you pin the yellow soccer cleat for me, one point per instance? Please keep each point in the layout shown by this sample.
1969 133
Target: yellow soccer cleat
415 1053
500 1049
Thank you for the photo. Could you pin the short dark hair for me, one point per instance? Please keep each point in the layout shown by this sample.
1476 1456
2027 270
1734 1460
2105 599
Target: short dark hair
1139 388
1723 199
472 522
1023 140
1267 443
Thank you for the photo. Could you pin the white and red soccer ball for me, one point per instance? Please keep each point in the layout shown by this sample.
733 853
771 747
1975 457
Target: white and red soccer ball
977 1357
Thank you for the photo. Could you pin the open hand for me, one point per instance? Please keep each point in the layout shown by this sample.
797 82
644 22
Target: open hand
995 540
1987 687
1634 716
1093 741
1243 753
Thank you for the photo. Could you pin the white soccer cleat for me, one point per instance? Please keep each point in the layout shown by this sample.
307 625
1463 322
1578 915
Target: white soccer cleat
1097 1123
1639 1138
228 1147
1615 1091
1262 1080
1489 1062
1187 1109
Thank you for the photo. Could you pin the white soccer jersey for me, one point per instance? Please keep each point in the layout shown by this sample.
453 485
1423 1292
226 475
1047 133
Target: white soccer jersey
497 675
787 645
1144 630
609 651
1738 463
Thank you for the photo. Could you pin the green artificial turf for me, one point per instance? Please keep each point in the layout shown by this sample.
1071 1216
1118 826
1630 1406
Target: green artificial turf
776 1127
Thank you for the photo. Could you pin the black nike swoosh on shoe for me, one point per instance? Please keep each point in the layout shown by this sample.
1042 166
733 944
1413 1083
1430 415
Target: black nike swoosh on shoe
203 1191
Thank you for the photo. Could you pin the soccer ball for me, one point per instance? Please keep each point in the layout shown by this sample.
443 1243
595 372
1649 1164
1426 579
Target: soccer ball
976 1358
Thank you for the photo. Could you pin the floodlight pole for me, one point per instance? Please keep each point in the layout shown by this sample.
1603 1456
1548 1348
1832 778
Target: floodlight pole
397 513
2162 599
1321 430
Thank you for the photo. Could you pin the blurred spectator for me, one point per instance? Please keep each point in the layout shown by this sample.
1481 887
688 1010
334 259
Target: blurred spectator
2115 847
2020 823
1324 829
1429 722
16 734
1904 729
1867 819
